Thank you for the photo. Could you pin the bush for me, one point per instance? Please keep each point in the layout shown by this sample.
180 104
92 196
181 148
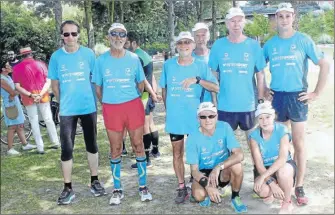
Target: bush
155 47
99 49
325 39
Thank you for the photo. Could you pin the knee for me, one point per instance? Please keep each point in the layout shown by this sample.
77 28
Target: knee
92 148
116 151
67 153
265 192
177 154
285 173
138 146
199 194
237 169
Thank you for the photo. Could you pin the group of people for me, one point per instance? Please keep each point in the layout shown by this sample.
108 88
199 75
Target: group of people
207 95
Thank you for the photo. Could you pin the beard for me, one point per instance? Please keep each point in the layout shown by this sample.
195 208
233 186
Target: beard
117 45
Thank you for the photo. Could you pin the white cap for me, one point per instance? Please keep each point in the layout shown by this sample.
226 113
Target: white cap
200 25
285 7
184 35
206 106
117 26
264 108
234 11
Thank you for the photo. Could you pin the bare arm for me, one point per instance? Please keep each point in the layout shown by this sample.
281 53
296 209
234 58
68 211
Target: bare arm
154 84
150 90
261 83
98 90
5 86
197 175
256 155
140 86
210 86
22 90
164 96
55 89
45 87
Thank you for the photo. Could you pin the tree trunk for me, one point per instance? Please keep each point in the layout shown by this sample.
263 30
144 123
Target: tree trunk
186 15
171 18
234 3
199 8
121 12
89 24
57 10
110 11
214 19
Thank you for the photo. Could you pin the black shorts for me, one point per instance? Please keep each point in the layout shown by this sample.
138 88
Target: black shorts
245 120
207 172
176 137
293 164
150 106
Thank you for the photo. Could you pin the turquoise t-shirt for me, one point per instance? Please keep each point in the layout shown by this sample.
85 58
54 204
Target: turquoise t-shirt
289 61
207 95
206 151
74 72
118 77
182 104
144 56
270 148
236 64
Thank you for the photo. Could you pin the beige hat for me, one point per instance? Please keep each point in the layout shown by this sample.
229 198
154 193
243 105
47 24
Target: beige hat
200 25
234 11
117 25
207 106
184 35
285 7
264 108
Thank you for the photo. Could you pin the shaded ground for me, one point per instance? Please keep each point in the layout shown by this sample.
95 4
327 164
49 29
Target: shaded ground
31 183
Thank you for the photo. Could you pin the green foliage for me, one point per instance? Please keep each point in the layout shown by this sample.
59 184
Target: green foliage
21 28
259 28
153 48
316 26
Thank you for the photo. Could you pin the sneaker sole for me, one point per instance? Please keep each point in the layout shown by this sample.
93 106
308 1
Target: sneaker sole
186 198
116 203
97 194
236 211
67 202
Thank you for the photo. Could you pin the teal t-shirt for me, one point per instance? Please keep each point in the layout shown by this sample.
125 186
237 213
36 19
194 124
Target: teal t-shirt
144 56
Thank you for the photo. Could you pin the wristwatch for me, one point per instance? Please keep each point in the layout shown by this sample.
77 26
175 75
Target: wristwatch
269 181
30 95
198 79
260 101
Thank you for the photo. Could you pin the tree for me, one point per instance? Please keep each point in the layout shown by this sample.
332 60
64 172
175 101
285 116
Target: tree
258 28
89 24
171 26
214 19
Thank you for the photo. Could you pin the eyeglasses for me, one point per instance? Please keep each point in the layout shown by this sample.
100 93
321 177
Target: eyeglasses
67 34
209 117
120 34
186 42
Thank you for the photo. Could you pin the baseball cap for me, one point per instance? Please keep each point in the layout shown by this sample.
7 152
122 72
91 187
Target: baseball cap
117 26
234 11
200 25
206 106
286 6
184 35
264 108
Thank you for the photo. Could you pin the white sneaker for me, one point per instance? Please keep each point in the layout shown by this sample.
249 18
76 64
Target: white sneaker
12 151
116 197
145 195
28 146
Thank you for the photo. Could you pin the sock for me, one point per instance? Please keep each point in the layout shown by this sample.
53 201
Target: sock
181 185
68 185
147 144
235 194
154 140
93 178
142 171
116 172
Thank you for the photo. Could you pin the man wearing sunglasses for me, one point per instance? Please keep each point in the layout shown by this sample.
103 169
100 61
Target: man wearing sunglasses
70 70
215 157
235 59
288 54
182 81
119 81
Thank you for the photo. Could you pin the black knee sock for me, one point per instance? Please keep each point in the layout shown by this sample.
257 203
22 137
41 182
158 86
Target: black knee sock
93 178
147 144
154 140
68 185
235 194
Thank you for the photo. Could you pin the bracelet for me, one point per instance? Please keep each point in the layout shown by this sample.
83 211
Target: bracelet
30 95
203 181
269 181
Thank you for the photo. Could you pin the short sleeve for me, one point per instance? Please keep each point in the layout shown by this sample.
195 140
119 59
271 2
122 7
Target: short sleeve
260 63
163 81
283 130
192 156
312 51
97 76
265 52
230 138
53 74
213 61
15 75
139 72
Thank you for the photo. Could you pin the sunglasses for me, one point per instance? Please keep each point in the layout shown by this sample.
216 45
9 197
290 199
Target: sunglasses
209 117
120 34
186 42
67 34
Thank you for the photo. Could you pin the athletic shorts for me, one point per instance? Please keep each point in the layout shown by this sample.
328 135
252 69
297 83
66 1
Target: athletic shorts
207 172
293 164
149 107
128 115
245 120
288 107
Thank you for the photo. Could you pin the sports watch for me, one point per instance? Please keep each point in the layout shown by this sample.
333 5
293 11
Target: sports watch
198 79
260 101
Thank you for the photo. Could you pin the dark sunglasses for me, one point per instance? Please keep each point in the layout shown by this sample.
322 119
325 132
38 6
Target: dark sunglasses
186 42
209 117
67 34
120 34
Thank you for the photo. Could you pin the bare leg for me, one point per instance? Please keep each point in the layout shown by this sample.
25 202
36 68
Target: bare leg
10 136
178 162
20 134
298 137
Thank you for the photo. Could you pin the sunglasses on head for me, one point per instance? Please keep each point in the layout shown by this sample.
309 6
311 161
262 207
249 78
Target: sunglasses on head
120 34
67 34
186 42
209 117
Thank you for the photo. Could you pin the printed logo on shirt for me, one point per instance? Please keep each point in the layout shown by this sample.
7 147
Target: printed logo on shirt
246 56
220 142
226 56
293 48
274 51
81 65
128 72
108 72
63 68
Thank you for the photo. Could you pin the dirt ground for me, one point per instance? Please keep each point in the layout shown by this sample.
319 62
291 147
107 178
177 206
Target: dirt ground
319 182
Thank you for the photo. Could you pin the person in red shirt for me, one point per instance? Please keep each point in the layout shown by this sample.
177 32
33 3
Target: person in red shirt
30 78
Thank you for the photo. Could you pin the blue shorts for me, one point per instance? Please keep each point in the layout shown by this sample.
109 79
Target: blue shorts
245 120
288 107
150 106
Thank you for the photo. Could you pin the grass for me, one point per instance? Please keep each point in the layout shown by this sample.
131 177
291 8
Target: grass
31 183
